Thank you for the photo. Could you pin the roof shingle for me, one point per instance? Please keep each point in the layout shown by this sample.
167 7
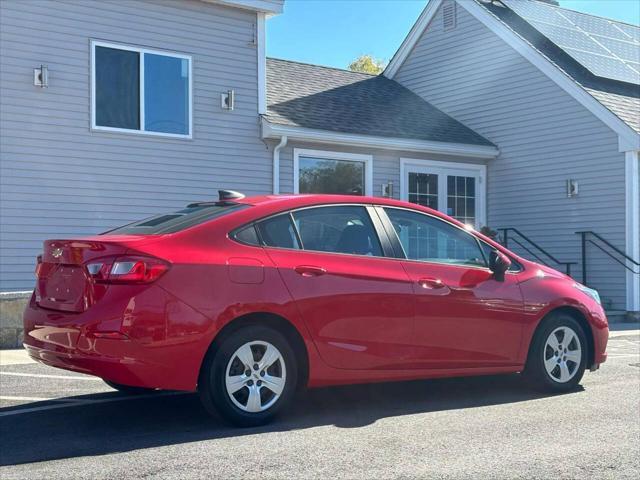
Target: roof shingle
324 98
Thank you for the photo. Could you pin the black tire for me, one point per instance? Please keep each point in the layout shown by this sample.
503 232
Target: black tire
127 388
212 385
536 372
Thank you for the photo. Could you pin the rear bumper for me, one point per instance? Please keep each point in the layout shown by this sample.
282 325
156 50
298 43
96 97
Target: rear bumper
142 355
117 368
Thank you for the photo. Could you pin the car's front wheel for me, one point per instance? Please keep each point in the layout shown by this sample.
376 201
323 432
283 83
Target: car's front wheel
249 377
558 354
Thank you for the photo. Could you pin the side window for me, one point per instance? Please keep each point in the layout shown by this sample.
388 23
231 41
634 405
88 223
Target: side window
247 235
341 229
278 232
486 250
430 239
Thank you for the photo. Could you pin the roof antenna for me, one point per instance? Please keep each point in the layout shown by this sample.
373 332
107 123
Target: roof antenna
226 195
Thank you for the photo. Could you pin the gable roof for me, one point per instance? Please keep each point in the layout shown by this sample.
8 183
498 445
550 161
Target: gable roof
612 101
331 99
610 76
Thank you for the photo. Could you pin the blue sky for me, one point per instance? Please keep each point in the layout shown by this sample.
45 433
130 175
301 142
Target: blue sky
334 32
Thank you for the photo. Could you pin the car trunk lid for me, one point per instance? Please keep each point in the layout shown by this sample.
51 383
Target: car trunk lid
63 281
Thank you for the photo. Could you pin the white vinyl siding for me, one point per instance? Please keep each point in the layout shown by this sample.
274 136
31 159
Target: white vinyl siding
545 137
61 179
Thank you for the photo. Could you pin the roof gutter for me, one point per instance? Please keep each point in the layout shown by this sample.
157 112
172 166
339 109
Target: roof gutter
276 131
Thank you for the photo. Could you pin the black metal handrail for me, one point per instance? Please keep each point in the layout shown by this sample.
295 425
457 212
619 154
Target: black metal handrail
505 242
584 240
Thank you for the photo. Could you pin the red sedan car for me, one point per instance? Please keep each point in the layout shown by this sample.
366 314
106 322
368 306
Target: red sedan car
248 299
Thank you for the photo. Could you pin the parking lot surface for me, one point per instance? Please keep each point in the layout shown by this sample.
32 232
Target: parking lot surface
58 424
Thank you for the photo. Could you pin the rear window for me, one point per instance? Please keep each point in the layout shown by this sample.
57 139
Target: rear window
176 221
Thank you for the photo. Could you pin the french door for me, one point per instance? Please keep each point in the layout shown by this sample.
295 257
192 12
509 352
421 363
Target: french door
457 189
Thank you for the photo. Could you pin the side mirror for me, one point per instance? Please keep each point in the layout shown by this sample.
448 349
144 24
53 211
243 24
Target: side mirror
499 263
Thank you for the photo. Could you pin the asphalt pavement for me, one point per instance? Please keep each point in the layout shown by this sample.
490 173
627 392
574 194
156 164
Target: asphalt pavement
58 424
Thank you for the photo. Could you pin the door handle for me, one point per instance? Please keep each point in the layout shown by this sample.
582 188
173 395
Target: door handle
309 270
431 283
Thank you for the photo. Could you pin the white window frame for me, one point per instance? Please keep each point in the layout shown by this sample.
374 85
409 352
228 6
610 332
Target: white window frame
442 169
141 51
324 154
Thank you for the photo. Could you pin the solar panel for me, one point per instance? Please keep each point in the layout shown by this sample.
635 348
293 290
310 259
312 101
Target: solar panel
608 49
625 50
616 33
607 67
540 13
633 32
570 38
590 24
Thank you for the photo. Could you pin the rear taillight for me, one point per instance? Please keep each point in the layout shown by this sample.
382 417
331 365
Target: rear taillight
127 270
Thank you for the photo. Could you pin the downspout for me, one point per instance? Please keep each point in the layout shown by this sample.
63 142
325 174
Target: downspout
276 164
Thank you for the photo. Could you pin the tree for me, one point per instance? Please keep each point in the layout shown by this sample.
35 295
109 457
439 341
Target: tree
367 64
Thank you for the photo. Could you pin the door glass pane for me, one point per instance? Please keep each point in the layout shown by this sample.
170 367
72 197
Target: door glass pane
429 239
117 88
319 175
461 198
278 232
344 229
166 94
423 189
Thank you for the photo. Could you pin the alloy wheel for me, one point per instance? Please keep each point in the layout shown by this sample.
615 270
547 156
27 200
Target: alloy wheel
562 354
256 376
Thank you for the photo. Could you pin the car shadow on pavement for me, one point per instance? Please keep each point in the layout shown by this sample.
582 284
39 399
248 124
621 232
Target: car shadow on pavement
154 421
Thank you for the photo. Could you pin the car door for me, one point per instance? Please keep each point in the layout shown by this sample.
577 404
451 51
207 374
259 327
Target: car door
356 303
465 317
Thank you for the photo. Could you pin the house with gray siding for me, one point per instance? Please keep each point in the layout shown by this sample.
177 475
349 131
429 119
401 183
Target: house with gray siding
113 111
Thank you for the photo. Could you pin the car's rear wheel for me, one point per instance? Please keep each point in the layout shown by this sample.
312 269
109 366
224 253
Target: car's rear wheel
127 388
558 354
249 377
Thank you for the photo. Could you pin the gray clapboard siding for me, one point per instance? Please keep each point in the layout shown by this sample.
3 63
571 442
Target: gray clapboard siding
545 137
59 179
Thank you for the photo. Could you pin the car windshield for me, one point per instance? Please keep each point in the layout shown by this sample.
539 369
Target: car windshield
176 221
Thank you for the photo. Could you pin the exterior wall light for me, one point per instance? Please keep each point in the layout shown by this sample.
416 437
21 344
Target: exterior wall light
387 189
41 76
228 100
572 188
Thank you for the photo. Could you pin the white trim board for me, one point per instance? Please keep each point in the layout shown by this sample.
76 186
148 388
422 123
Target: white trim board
271 8
628 138
275 131
351 157
632 227
262 63
141 51
442 169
